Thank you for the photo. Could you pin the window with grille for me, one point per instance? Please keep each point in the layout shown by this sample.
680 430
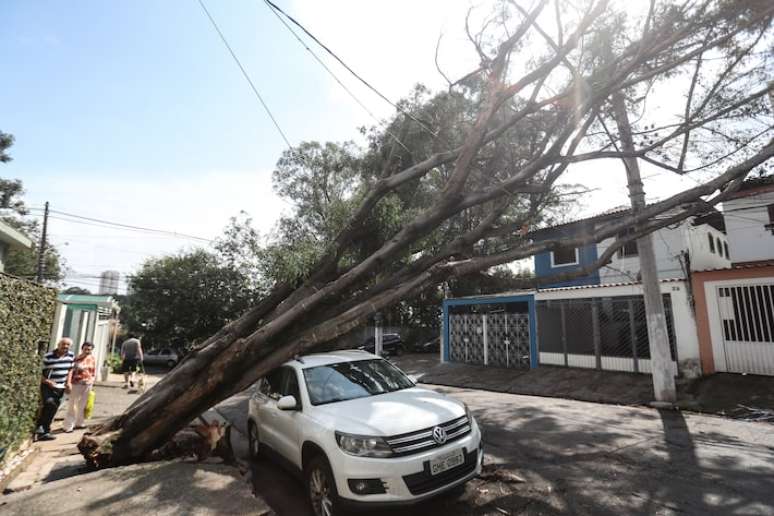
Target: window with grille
711 243
564 256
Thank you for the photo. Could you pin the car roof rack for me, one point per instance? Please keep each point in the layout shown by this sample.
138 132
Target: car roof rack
298 358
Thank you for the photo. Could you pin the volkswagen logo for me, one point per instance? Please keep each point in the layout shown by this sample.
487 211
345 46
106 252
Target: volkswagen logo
439 435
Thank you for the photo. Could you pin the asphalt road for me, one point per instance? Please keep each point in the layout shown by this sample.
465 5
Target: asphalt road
586 458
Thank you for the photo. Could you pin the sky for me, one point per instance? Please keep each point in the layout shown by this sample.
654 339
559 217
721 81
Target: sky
134 112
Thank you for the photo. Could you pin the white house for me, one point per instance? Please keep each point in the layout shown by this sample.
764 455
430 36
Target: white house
696 243
749 217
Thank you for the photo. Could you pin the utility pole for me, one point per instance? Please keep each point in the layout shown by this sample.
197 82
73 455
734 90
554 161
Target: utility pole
378 334
658 336
42 246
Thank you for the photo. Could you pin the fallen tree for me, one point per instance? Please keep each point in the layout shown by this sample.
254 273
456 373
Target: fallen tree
556 100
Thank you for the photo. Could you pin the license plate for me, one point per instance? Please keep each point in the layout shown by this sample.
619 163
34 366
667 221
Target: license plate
446 462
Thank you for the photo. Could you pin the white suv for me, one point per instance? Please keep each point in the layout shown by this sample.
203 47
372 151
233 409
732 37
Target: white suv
361 432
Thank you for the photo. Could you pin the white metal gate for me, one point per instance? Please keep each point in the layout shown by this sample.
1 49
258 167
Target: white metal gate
747 327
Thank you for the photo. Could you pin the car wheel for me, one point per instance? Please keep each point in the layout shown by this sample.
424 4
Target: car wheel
321 487
170 364
254 443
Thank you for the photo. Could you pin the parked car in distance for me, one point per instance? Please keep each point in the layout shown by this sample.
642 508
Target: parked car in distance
164 356
431 346
391 344
360 433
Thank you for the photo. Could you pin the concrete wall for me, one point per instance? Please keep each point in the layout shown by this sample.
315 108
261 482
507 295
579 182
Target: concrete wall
745 219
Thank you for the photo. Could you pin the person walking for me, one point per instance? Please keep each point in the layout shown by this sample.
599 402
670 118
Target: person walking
84 374
57 375
131 357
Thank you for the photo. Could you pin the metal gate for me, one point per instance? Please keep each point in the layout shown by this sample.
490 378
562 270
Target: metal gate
496 339
747 319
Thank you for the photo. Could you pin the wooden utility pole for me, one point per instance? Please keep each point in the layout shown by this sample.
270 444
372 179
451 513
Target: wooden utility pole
658 336
42 247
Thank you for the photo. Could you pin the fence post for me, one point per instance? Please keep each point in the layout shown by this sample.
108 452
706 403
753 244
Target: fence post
633 333
564 335
595 332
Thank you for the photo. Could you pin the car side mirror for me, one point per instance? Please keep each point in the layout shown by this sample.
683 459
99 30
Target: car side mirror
287 403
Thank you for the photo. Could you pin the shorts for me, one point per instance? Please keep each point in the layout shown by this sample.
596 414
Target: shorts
129 365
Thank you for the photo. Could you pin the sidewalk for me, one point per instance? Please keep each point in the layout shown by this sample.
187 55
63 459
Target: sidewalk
748 397
59 459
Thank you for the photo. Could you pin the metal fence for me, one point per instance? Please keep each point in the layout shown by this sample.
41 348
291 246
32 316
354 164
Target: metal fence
499 339
600 329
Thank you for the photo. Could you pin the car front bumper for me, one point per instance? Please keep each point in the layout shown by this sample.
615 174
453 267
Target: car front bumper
406 480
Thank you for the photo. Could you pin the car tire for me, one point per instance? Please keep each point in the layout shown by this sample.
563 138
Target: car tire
171 363
321 487
253 441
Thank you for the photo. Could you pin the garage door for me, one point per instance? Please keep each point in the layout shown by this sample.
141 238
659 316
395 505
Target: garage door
747 326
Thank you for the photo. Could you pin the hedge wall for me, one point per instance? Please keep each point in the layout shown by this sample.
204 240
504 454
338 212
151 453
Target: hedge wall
26 315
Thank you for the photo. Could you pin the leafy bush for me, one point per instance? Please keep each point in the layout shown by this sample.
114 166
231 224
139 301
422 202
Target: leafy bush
26 314
114 362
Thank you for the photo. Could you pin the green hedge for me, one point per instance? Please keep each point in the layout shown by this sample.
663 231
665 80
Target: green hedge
26 314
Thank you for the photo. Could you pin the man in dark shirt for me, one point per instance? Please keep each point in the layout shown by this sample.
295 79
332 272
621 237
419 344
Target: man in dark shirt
131 358
57 373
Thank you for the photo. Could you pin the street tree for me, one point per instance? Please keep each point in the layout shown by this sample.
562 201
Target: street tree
179 300
14 212
547 77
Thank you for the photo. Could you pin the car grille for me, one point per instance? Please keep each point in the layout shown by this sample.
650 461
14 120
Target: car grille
421 440
424 482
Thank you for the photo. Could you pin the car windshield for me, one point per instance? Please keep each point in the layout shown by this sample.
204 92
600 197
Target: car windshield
350 380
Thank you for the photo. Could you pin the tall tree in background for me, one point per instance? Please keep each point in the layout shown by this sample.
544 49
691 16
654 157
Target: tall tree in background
23 262
546 78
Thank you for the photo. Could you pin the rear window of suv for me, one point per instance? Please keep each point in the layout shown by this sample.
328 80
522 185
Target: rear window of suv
349 380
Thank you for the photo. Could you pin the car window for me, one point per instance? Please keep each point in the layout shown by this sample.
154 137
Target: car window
350 380
272 383
165 352
290 384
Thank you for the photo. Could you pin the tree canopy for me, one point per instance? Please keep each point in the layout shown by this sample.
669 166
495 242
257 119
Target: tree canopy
540 101
23 262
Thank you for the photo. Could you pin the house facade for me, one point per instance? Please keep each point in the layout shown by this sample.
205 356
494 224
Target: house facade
86 318
735 306
697 243
749 217
597 320
10 238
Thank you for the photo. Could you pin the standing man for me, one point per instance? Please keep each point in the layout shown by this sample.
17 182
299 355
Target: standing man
57 374
131 357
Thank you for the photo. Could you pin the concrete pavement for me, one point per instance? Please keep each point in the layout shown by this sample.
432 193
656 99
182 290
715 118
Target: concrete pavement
587 458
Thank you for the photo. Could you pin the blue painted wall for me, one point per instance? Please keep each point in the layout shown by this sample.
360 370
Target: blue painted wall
586 255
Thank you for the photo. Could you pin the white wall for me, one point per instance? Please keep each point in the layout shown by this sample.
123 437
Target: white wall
668 243
745 219
702 257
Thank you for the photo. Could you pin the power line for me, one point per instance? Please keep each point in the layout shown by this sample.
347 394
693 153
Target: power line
244 73
107 223
349 69
336 78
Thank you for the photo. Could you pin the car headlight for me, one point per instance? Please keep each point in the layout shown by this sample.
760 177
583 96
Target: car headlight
363 445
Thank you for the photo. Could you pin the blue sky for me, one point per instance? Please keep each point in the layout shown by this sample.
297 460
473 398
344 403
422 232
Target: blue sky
134 111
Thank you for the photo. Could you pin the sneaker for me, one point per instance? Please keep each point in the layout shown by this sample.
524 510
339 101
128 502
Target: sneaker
68 430
46 437
80 427
125 386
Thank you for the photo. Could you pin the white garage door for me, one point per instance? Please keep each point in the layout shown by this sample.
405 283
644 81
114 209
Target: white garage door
746 314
